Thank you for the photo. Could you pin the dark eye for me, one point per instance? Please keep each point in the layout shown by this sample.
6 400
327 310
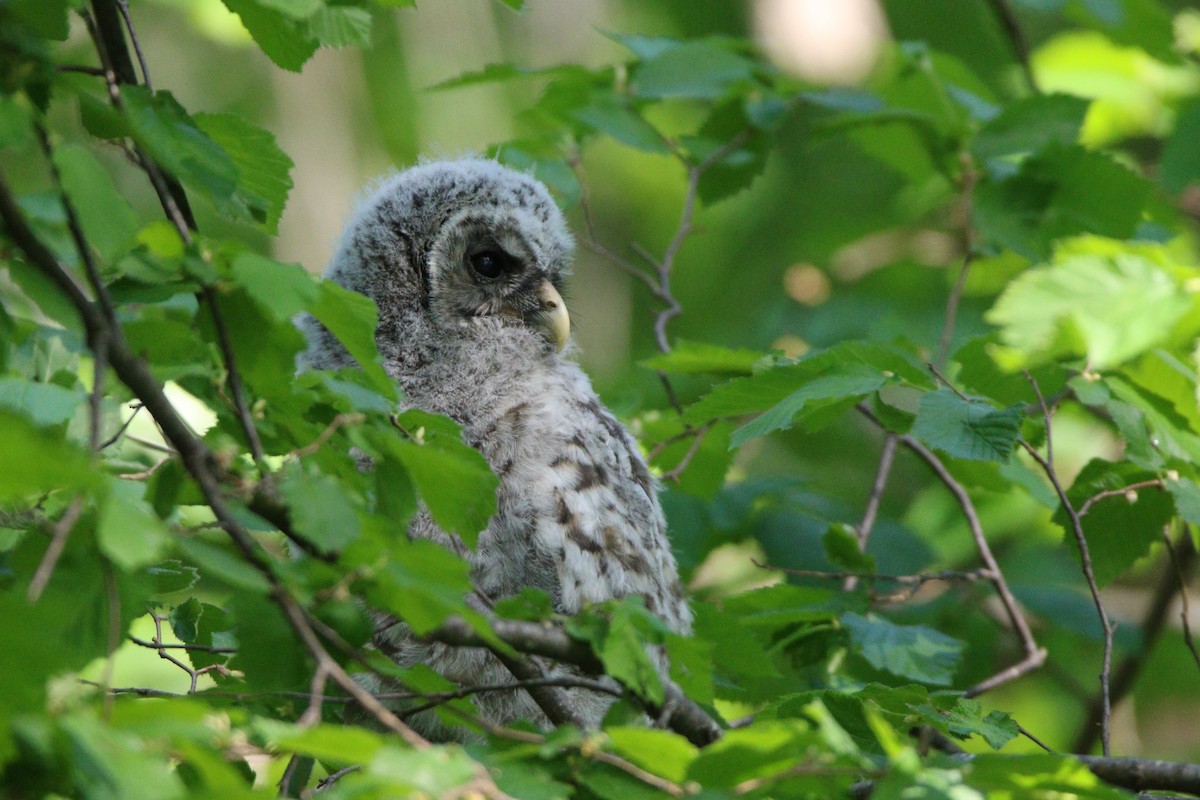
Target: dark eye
489 263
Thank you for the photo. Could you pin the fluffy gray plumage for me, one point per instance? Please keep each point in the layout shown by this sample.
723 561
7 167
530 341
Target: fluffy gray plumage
577 511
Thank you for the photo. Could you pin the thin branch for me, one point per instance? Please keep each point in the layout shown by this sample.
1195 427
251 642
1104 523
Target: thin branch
1086 505
1035 656
1183 592
58 541
245 418
1047 465
149 445
324 436
533 638
1171 582
113 598
601 756
198 648
192 673
110 441
886 458
1012 27
918 580
698 435
123 7
146 473
96 398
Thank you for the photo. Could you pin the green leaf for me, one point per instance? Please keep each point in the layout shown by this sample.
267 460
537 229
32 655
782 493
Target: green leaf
1099 299
434 772
185 618
1187 499
296 9
46 404
15 124
422 583
117 764
854 361
220 564
128 532
623 652
342 26
908 651
352 317
1059 192
452 477
1180 165
341 744
1121 528
1029 125
48 18
702 69
269 654
763 748
842 549
527 604
107 219
160 125
689 358
281 290
285 40
846 385
264 170
664 753
966 718
34 460
970 429
622 124
320 508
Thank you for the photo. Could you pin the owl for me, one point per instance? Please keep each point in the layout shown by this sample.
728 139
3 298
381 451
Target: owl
466 261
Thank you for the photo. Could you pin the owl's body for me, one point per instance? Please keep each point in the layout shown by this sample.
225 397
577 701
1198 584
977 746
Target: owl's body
577 513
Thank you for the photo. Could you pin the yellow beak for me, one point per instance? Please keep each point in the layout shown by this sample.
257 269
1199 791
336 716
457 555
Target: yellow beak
552 319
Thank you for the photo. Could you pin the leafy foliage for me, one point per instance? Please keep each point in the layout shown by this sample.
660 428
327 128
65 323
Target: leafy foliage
992 266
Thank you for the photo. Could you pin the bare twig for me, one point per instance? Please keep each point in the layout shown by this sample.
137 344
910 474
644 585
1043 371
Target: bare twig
1187 542
886 457
1047 465
192 673
146 473
324 436
969 177
58 541
1171 582
947 576
113 597
698 435
96 398
199 648
1086 505
235 383
589 752
123 7
1035 656
1008 20
534 638
110 441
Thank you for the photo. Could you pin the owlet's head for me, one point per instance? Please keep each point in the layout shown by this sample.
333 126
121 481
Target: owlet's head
449 245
